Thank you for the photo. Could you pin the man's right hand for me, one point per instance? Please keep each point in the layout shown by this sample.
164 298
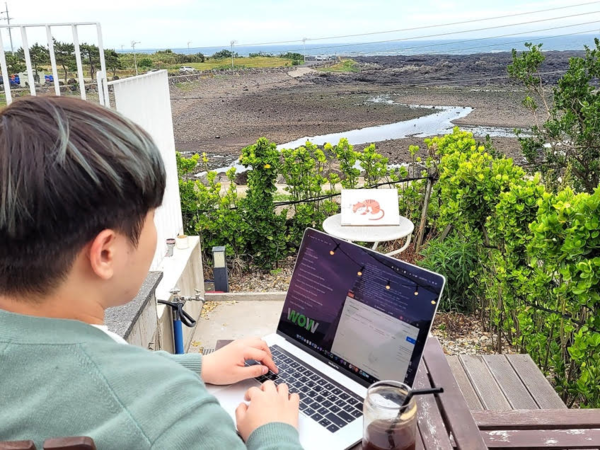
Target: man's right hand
268 404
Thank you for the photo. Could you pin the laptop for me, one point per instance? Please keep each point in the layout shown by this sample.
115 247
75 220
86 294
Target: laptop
351 317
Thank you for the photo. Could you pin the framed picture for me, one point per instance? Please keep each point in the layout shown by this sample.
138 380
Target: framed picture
377 207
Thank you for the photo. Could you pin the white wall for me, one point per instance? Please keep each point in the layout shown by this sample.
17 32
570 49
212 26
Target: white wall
145 99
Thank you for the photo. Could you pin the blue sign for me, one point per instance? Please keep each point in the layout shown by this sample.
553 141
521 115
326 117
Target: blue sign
411 340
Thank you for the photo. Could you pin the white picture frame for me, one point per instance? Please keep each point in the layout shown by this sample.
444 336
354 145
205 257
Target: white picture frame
370 207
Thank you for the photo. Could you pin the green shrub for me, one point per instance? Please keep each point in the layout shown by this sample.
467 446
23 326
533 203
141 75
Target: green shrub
266 243
145 63
566 258
564 143
457 259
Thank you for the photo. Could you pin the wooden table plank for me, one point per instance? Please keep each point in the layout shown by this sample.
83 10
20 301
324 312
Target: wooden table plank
464 384
430 423
541 390
419 442
542 439
511 385
483 382
538 419
453 406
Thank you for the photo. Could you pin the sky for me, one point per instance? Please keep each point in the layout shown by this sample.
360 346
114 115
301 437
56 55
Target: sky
174 23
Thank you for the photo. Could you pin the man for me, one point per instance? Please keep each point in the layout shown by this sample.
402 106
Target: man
79 185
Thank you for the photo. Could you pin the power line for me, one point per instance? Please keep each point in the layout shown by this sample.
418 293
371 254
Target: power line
457 23
449 33
465 31
424 27
504 36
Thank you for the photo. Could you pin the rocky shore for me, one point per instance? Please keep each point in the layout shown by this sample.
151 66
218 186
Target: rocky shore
221 113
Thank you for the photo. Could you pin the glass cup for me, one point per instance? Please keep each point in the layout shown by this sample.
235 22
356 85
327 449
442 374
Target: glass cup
387 424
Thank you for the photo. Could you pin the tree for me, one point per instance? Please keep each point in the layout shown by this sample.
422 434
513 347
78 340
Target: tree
564 143
91 55
65 56
146 63
14 63
224 54
166 56
113 61
39 55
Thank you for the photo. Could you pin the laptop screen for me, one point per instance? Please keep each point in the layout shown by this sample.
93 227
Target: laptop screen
365 313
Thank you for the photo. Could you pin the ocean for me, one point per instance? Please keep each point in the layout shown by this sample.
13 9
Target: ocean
452 47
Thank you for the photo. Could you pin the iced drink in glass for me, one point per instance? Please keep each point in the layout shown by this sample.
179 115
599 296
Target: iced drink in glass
388 425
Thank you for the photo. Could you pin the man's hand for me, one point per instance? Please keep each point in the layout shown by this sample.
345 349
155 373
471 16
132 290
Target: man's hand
226 365
268 404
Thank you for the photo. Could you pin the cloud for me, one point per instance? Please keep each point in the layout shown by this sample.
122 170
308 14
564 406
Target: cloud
162 24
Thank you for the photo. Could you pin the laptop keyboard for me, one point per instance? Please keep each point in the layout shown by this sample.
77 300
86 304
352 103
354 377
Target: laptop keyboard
322 399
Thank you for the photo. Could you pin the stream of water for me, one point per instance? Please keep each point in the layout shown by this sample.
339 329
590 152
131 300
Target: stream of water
437 123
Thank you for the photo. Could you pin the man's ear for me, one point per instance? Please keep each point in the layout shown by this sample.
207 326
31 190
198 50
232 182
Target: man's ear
102 254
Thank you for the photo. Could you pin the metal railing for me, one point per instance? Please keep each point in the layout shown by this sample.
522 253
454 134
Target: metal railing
144 99
102 83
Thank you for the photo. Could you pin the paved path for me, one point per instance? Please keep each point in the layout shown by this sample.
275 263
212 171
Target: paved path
236 320
300 71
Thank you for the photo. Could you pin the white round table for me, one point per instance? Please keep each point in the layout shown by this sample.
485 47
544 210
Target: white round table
376 234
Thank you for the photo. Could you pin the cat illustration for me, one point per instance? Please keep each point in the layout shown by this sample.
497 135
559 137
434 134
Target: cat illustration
370 207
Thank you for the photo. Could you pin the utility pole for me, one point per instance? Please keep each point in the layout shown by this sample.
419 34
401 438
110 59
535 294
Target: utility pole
8 19
133 44
232 44
304 42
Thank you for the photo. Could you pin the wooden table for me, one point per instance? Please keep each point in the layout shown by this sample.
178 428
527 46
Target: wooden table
444 421
515 406
495 402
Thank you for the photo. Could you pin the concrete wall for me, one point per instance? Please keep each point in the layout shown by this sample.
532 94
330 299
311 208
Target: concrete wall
137 321
145 100
183 270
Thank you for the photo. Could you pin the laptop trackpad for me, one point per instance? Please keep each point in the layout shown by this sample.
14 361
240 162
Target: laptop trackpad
231 396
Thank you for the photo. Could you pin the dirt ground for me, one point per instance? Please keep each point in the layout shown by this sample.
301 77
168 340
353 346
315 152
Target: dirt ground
221 114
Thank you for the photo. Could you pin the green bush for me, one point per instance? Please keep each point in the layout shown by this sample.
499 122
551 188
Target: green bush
266 241
251 227
457 259
526 257
145 63
565 143
222 54
565 255
535 257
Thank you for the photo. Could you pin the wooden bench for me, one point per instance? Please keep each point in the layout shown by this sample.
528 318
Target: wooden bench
516 407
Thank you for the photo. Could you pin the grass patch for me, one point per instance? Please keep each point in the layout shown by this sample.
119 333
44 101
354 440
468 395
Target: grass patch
250 63
185 87
345 65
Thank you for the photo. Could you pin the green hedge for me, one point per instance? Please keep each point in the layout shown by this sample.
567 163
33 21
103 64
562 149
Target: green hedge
527 258
538 277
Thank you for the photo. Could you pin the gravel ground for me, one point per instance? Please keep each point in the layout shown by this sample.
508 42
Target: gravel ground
221 114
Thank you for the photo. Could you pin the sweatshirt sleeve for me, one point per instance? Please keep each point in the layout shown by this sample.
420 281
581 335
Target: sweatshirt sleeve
273 436
171 407
191 361
216 430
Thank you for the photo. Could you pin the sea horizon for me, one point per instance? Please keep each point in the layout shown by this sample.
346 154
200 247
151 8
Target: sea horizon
450 47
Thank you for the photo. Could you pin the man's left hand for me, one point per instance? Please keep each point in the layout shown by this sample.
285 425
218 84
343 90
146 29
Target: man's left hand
227 365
